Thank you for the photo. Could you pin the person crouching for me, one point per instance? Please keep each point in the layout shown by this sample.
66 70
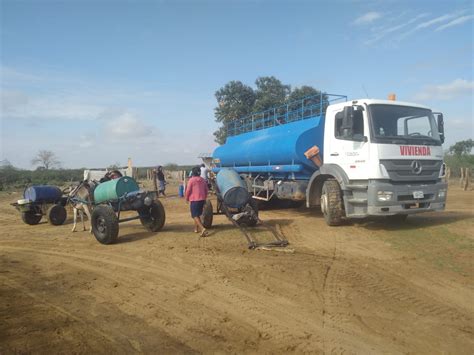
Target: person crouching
196 194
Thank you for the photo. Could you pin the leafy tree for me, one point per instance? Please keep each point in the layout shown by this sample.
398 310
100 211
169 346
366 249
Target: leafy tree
270 92
114 166
462 147
302 92
171 167
45 159
235 101
5 163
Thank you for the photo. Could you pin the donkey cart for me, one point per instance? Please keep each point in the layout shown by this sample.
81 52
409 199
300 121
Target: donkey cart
119 195
42 200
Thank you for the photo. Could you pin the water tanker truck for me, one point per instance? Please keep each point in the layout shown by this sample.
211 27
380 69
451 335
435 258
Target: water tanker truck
353 158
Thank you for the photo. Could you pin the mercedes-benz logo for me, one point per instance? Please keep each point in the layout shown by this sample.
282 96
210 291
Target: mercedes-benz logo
416 167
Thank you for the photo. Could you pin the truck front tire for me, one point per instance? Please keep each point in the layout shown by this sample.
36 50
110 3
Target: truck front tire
105 225
331 203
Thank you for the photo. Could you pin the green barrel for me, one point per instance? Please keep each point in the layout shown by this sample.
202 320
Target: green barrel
114 189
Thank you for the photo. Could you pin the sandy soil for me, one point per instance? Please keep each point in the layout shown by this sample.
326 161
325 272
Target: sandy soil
366 287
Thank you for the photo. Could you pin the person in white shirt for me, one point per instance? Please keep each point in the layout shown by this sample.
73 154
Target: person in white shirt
204 172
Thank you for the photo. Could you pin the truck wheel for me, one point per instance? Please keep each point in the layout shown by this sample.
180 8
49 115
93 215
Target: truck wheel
105 224
397 218
331 203
153 217
56 215
207 215
31 218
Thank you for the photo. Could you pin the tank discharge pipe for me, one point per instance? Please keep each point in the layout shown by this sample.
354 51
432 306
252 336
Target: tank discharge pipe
241 209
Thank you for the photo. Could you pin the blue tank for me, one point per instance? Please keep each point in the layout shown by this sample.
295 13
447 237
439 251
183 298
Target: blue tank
232 188
42 193
278 150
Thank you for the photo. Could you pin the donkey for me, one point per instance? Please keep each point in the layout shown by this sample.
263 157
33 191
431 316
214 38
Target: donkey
81 198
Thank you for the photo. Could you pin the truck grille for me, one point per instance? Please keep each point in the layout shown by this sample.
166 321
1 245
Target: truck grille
412 170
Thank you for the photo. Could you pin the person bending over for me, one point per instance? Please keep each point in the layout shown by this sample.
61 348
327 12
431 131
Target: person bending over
196 194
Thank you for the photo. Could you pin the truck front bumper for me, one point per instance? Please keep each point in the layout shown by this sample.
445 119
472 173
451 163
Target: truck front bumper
406 198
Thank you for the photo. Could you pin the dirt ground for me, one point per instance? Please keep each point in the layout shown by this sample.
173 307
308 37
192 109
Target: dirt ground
365 287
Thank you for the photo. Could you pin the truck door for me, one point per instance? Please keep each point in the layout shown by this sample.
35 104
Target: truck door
348 146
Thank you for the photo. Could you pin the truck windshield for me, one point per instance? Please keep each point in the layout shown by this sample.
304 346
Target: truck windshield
403 125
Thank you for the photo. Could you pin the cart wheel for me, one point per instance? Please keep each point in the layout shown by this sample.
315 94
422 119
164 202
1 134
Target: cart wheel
56 215
105 225
207 215
31 217
153 217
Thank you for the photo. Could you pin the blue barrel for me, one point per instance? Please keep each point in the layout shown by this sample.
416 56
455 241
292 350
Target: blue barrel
181 191
232 188
42 193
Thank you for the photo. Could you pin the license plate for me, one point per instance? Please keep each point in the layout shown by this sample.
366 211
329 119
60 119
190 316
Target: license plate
418 194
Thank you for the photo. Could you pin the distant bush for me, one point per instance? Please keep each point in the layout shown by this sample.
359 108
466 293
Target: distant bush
13 178
456 162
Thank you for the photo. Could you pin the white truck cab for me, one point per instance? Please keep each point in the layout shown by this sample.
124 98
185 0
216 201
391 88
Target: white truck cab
386 158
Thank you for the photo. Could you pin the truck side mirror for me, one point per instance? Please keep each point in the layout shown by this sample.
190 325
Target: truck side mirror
441 126
348 121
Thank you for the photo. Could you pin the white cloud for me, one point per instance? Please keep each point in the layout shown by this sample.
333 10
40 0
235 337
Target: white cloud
394 29
127 126
19 105
456 22
367 18
456 88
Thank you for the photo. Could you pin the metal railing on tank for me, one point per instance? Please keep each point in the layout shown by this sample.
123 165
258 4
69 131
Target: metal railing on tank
310 106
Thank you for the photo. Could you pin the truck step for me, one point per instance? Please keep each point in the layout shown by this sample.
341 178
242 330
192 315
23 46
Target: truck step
356 187
357 201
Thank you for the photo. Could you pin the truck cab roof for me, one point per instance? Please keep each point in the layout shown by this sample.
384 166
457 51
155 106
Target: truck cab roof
341 105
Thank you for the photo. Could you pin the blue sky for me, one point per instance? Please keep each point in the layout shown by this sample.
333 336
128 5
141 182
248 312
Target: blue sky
97 82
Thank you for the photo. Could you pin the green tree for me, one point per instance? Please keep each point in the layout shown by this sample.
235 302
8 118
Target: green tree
302 92
115 166
311 95
235 100
270 92
462 147
46 159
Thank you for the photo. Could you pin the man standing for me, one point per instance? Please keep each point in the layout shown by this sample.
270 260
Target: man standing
160 176
204 172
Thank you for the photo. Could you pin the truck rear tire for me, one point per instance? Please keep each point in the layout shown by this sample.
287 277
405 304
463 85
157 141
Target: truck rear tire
56 215
105 225
331 203
207 215
31 217
153 217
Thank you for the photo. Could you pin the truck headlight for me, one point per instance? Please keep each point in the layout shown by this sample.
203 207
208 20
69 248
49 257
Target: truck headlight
442 171
384 196
442 193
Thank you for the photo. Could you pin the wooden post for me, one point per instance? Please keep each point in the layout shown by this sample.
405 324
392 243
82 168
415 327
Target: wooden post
155 185
467 179
448 174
